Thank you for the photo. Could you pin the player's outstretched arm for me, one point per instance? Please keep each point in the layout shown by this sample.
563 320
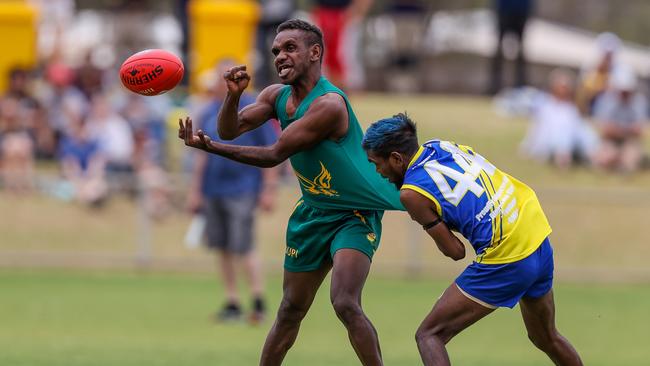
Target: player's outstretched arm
231 122
422 210
326 116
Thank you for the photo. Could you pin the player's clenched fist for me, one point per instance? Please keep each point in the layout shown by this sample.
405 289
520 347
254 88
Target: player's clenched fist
237 79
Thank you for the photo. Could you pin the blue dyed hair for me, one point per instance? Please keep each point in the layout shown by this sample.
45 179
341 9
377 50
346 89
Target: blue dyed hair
397 133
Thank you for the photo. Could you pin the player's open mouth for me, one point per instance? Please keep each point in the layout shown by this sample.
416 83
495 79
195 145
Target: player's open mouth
283 70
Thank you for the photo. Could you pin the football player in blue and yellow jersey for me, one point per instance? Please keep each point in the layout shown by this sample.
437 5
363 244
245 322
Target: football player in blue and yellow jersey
449 187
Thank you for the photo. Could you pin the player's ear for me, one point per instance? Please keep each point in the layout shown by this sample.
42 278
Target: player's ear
316 52
396 157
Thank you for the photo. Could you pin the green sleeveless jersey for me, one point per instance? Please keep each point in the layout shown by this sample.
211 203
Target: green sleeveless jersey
336 175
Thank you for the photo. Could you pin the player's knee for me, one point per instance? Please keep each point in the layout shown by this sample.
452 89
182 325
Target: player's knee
290 312
545 341
430 331
346 308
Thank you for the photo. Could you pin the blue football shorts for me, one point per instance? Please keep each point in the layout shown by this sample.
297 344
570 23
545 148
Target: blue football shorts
499 285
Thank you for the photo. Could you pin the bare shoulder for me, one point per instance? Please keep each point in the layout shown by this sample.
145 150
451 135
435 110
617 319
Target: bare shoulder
419 207
332 103
270 93
411 198
334 99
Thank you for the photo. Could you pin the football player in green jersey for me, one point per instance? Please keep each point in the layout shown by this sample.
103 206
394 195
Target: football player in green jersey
336 225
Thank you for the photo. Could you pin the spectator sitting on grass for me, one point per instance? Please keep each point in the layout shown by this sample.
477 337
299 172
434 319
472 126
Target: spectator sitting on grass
595 75
558 133
82 164
116 143
621 115
16 148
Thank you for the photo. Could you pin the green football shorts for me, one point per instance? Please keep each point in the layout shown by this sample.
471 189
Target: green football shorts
314 235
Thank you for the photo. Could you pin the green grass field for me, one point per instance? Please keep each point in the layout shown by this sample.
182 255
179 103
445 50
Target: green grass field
78 319
70 295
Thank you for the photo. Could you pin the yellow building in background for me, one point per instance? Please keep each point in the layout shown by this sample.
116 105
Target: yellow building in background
17 38
221 29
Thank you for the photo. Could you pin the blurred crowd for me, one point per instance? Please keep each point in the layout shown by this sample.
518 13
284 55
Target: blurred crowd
596 118
100 139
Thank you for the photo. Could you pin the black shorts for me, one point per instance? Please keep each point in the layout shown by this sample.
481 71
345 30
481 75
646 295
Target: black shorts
230 222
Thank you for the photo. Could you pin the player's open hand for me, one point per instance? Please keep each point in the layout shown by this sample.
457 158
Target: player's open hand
185 132
237 79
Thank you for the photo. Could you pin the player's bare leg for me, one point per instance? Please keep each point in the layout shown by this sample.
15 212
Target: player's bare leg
299 289
451 314
254 272
349 273
229 274
539 317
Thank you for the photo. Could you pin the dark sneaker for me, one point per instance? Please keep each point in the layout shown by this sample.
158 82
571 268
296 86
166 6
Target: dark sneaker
229 313
258 315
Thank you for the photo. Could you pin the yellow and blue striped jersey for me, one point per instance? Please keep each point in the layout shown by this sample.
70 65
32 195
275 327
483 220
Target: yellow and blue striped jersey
499 215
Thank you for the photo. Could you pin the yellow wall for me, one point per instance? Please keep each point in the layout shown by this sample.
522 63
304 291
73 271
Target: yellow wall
221 29
17 38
